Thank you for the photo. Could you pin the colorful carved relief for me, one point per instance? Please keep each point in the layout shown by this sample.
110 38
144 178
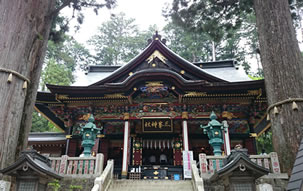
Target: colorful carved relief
236 126
77 115
113 127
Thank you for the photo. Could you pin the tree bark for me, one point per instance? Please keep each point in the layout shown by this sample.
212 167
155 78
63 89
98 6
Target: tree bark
283 72
24 29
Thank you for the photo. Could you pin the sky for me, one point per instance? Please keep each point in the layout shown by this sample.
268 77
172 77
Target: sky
145 13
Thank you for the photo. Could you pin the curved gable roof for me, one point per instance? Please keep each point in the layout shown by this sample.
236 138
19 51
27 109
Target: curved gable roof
192 72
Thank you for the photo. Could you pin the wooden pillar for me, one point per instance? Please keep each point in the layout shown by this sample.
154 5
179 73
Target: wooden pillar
185 131
68 137
125 147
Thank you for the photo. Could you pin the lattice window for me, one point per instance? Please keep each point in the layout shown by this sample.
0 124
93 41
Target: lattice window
243 187
27 185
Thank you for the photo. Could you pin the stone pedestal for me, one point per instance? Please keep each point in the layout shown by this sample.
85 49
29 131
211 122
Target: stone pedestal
4 185
264 187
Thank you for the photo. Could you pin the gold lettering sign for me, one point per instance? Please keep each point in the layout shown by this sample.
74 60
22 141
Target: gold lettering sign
153 125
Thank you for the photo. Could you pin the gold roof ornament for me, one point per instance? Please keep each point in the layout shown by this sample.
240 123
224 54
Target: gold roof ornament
154 84
258 92
195 94
117 95
156 54
62 96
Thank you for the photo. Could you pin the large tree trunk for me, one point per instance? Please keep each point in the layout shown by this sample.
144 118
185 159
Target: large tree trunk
283 72
24 29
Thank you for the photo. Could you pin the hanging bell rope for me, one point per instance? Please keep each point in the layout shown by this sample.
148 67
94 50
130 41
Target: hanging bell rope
289 100
10 76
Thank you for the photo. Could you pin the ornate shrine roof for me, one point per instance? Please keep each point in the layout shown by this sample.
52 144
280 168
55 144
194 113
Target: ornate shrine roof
158 62
226 70
155 64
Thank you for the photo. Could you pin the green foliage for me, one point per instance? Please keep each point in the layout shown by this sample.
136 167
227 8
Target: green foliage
119 40
40 124
75 187
56 74
255 77
215 18
192 46
55 184
264 142
227 23
70 53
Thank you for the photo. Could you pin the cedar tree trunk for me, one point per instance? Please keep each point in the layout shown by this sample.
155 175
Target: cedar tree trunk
283 72
24 29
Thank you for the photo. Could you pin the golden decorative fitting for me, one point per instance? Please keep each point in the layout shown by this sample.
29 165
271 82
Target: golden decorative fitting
24 85
294 106
258 92
135 89
130 73
182 72
276 110
253 134
10 78
154 84
195 94
68 136
126 116
62 97
117 95
156 54
184 115
100 136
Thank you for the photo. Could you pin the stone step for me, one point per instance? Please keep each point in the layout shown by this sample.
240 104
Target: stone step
149 185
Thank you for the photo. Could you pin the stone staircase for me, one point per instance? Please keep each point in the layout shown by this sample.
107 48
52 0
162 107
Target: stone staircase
151 185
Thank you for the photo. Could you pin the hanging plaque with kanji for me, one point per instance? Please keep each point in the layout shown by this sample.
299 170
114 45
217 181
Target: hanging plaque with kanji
154 125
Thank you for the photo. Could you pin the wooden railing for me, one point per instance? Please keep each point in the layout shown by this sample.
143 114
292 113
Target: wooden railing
103 182
210 164
197 181
82 167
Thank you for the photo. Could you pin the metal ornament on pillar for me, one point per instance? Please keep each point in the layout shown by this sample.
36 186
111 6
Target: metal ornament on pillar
89 133
214 132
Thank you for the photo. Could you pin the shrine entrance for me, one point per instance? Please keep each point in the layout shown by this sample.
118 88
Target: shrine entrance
157 152
157 156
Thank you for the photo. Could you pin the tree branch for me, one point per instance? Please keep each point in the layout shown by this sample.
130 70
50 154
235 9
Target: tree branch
64 4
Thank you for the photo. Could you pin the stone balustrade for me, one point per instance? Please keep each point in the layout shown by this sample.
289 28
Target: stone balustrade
210 164
197 181
103 182
79 167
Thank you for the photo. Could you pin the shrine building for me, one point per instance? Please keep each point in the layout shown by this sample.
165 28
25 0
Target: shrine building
151 109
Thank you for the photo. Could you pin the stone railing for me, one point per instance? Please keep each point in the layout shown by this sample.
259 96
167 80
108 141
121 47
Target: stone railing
103 182
210 164
80 167
197 181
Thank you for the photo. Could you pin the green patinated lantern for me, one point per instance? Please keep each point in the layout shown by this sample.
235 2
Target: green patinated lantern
214 131
89 133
